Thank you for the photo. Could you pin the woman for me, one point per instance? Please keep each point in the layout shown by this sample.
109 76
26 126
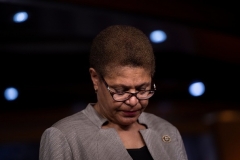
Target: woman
116 127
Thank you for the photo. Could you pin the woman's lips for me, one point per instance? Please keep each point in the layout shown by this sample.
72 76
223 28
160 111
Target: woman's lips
130 113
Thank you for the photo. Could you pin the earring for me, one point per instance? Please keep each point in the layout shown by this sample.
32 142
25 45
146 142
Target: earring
96 90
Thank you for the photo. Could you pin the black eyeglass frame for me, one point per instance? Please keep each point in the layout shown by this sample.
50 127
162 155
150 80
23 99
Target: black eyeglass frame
130 94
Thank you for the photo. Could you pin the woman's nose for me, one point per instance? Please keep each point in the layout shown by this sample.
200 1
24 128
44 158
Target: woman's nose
132 101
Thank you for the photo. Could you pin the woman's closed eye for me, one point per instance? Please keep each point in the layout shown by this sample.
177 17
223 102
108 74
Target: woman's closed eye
121 90
118 90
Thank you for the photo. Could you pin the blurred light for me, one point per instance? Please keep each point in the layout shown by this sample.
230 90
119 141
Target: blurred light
158 36
10 94
196 89
20 17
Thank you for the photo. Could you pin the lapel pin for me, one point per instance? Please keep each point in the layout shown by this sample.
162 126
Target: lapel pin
166 138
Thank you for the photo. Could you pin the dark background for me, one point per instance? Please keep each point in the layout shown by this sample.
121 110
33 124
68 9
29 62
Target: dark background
46 59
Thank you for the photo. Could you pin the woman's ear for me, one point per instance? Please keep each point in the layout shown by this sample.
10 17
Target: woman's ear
95 78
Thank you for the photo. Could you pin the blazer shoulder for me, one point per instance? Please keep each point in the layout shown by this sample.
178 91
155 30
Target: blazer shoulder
155 122
69 123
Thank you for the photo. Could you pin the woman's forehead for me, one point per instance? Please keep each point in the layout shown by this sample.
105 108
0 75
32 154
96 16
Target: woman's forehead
126 71
129 76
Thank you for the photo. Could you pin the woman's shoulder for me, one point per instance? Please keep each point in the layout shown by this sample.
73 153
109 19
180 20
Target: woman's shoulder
75 117
152 118
69 122
155 122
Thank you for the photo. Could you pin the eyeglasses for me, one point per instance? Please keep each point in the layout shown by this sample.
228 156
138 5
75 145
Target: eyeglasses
121 97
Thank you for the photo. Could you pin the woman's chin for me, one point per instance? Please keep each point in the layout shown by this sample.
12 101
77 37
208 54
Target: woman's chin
127 121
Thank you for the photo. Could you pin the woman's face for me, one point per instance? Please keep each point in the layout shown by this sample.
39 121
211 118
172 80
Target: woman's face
131 79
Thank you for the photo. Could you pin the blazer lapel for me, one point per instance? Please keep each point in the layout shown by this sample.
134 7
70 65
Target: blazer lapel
154 144
110 146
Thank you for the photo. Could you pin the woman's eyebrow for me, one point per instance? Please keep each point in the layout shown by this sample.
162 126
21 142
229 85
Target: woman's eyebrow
128 86
143 85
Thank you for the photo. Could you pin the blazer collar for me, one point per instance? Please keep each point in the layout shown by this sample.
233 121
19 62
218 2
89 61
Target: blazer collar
94 116
150 136
106 137
154 144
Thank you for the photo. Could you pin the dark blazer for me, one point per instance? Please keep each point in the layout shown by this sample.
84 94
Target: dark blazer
80 137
